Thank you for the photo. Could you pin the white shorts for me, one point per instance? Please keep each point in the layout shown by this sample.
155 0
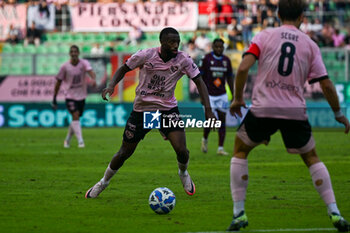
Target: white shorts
219 103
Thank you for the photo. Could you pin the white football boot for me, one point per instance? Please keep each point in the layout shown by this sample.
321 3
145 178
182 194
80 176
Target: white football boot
187 183
95 190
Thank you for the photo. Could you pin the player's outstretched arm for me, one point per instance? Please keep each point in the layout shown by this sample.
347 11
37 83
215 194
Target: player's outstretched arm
118 75
331 96
57 88
241 78
203 93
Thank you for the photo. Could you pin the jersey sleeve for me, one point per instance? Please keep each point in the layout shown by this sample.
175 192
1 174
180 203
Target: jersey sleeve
136 60
190 68
61 73
317 69
257 44
254 50
87 65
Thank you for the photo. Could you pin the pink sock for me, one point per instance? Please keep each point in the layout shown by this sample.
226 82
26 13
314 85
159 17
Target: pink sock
239 179
77 130
322 182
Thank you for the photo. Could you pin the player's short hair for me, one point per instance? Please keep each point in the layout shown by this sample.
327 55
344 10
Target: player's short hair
291 9
74 46
218 40
167 31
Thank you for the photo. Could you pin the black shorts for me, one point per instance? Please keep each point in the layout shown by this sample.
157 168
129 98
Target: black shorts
296 134
75 105
134 129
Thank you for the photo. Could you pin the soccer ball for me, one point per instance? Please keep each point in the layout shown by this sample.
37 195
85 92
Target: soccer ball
162 200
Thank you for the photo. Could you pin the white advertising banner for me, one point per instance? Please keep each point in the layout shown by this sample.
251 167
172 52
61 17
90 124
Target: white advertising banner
149 16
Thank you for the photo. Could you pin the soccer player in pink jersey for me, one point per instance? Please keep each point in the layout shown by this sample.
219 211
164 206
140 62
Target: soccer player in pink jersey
216 70
160 69
73 75
287 59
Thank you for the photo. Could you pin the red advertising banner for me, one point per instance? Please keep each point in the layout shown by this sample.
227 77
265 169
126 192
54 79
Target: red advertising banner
149 16
12 14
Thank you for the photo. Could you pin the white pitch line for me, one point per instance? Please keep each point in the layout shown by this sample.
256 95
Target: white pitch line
275 230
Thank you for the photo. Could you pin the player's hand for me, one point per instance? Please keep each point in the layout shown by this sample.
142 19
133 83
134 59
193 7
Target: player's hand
235 107
345 122
210 115
93 83
54 104
107 92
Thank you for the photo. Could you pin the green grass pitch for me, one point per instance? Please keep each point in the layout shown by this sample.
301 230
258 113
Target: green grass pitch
42 185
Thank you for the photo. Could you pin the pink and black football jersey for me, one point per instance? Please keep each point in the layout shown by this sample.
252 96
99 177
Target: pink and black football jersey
74 79
157 79
215 71
287 59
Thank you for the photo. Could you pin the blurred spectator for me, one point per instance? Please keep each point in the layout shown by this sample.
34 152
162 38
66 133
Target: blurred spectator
196 54
271 20
135 35
315 38
315 32
326 35
203 43
247 24
192 50
272 4
262 10
316 26
234 32
44 13
225 13
338 38
305 26
97 49
13 35
33 35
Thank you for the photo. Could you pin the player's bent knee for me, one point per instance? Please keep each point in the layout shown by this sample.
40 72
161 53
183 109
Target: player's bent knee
241 150
183 152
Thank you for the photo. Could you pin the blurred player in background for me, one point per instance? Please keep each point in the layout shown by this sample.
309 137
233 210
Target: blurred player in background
287 59
216 70
160 69
73 75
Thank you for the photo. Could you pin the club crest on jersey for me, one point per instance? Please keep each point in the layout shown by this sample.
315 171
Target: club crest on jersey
174 68
224 63
151 120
